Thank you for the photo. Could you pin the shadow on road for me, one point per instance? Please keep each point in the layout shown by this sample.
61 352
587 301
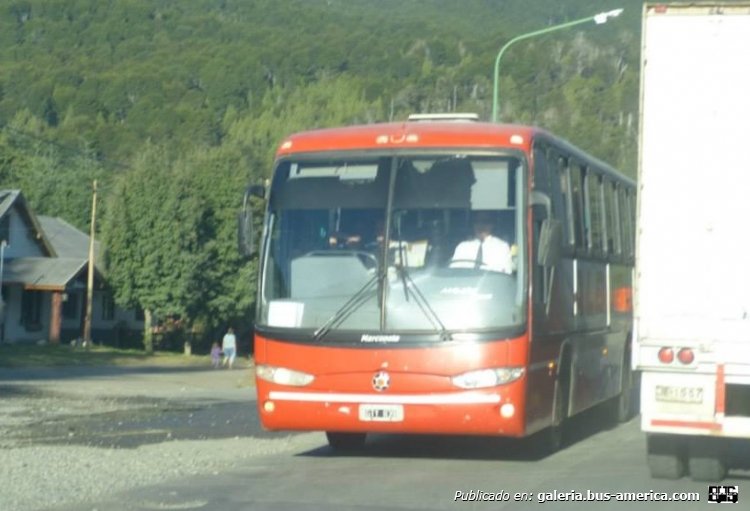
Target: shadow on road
579 428
147 421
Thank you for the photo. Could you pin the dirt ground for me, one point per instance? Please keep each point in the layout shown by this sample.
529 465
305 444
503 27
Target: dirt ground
33 399
73 434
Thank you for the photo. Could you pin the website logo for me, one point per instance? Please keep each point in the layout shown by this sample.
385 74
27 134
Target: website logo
724 494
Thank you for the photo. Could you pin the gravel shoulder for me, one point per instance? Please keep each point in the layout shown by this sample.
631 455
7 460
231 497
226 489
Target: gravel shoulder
72 435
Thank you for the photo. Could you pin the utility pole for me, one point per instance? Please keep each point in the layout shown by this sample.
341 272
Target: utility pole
90 281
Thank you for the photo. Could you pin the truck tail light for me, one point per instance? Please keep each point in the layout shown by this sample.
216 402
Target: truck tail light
686 356
666 355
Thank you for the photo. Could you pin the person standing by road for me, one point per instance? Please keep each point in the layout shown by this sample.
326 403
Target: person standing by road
215 355
229 347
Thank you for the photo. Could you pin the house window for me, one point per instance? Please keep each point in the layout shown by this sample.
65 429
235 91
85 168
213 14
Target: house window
31 310
70 307
140 315
108 307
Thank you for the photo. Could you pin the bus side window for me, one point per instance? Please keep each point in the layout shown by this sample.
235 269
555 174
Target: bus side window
613 222
557 189
595 214
631 220
567 200
541 169
631 201
579 212
626 221
542 174
605 232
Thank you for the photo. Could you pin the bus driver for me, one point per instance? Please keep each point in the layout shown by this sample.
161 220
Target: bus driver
485 251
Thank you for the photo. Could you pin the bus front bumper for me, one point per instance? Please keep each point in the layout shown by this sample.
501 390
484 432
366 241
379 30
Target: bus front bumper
487 412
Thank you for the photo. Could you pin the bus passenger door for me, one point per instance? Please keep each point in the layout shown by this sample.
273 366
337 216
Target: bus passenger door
545 332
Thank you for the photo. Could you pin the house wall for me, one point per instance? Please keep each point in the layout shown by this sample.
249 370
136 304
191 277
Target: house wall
123 325
123 317
120 330
71 328
14 330
22 242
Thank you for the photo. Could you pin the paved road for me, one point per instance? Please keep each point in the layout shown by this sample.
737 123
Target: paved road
300 472
400 473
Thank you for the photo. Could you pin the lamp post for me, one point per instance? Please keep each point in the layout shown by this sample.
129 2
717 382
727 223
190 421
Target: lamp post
599 19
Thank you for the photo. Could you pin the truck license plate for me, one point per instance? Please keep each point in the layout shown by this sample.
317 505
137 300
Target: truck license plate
679 394
381 413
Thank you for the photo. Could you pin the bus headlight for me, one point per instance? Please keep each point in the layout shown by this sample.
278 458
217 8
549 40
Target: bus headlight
487 377
283 376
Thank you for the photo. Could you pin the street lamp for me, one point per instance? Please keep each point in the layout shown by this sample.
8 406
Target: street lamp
599 19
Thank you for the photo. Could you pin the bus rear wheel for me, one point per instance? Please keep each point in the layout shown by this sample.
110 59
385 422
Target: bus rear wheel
666 456
346 441
622 407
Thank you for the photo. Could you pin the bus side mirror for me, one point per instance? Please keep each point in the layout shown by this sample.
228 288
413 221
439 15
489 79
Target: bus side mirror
245 231
256 191
550 243
245 234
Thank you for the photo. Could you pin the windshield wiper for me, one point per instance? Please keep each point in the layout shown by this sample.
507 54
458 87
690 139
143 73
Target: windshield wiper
419 298
423 304
351 305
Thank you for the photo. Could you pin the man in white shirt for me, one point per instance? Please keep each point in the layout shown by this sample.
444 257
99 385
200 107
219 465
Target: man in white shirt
229 347
485 251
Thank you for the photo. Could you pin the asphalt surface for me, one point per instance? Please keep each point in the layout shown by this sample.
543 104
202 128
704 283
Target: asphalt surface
136 409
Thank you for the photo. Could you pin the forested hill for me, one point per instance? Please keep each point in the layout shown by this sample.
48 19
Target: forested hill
205 89
109 75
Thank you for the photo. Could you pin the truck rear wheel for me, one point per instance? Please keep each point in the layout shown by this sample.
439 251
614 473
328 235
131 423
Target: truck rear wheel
666 456
707 460
346 441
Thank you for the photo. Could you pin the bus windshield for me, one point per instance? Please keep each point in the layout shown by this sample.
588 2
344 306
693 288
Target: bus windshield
395 244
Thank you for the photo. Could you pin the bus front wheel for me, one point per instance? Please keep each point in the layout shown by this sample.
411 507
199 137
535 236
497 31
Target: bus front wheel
346 441
552 439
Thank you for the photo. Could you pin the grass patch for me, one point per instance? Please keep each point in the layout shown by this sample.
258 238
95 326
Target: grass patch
51 355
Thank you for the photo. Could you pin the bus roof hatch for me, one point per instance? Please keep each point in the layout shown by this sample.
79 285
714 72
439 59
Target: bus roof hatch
447 117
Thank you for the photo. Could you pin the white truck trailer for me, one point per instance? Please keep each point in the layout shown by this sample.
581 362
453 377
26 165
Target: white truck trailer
692 282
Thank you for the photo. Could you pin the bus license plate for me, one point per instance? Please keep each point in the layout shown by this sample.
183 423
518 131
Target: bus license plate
381 413
679 394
